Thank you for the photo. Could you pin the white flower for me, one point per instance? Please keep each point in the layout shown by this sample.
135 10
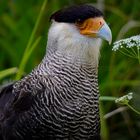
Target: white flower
133 41
129 47
124 99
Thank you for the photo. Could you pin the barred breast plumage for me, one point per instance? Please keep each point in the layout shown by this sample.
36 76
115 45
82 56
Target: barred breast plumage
66 104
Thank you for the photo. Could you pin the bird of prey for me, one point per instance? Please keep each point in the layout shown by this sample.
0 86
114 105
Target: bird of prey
59 99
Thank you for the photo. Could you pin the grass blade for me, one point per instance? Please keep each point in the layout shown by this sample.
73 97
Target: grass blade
27 51
8 72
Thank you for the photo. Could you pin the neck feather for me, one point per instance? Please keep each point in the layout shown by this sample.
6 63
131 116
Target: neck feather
65 39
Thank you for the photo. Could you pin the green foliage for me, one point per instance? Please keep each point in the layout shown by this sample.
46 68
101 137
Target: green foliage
118 74
32 43
7 72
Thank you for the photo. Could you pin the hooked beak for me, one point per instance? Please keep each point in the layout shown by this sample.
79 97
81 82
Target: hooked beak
97 28
105 33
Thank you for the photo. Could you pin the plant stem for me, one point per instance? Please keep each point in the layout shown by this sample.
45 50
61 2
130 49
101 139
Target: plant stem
138 54
104 126
129 52
107 98
134 51
31 39
132 108
33 47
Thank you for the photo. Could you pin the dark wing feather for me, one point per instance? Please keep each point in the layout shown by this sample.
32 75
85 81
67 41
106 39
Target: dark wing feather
6 98
11 105
23 103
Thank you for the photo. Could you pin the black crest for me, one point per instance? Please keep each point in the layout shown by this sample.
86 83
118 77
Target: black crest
76 13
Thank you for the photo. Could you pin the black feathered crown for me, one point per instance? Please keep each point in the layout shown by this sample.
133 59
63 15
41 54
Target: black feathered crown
76 13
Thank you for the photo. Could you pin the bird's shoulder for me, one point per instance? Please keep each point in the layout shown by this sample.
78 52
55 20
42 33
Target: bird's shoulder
27 89
10 102
19 96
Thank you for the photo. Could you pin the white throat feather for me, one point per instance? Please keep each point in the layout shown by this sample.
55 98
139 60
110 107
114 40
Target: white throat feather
66 39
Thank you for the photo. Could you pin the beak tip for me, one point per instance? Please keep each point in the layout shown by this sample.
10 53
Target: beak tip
105 33
110 41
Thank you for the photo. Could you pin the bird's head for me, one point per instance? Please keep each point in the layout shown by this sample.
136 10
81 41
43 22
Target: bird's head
78 30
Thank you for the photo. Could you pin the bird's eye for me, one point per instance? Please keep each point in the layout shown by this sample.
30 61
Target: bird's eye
101 23
79 22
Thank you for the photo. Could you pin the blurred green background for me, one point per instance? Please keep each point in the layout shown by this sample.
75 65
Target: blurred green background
118 74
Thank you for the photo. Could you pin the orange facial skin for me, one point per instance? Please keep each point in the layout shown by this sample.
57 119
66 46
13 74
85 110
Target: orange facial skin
91 26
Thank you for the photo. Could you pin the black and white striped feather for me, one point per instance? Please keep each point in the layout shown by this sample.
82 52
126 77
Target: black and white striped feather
60 105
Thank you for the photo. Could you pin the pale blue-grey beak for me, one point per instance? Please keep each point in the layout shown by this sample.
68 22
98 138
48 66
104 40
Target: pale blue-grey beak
105 33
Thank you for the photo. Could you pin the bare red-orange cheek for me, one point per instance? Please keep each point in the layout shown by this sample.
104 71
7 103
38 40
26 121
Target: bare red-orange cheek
91 26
